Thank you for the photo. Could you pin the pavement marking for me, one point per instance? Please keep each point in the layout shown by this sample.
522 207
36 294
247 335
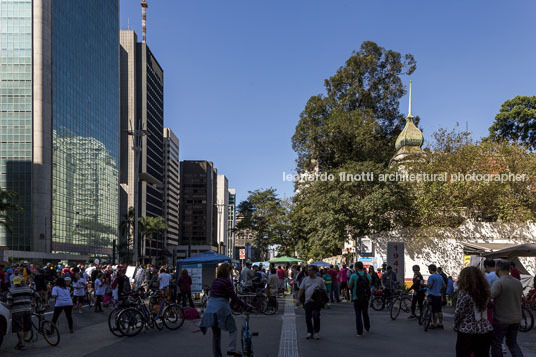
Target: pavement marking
288 345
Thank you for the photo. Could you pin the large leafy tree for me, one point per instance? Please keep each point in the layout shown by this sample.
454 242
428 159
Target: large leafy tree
358 117
266 216
126 228
329 213
449 203
149 226
516 121
8 204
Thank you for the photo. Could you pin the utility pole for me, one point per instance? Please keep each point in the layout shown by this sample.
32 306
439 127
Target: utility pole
137 135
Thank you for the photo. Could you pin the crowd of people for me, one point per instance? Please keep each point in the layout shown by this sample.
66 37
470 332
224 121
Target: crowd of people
25 287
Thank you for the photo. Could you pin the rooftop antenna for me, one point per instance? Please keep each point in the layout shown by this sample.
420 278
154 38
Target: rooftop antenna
144 7
128 23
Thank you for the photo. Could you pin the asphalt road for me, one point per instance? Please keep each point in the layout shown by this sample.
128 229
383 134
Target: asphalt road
338 337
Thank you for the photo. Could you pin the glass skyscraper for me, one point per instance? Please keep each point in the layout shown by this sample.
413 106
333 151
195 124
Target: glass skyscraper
16 115
85 86
59 125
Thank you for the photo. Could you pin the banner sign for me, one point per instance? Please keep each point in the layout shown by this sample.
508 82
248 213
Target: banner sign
242 253
395 259
196 273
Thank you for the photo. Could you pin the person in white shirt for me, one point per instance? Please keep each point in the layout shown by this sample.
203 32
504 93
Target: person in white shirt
63 302
100 290
79 285
163 279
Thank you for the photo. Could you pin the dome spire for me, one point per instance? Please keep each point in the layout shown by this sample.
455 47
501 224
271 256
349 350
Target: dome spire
410 139
409 111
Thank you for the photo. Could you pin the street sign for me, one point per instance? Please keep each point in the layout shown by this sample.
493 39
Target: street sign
395 258
242 253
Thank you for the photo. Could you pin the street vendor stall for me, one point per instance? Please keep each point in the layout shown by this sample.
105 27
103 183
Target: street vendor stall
202 268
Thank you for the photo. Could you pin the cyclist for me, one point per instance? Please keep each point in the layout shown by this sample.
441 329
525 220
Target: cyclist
389 282
419 291
218 315
435 288
19 301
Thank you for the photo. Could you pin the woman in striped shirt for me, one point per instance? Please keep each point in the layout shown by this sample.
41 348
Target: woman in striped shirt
218 314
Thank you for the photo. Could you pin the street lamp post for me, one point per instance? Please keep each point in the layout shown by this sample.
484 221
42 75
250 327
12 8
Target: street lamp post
220 205
137 147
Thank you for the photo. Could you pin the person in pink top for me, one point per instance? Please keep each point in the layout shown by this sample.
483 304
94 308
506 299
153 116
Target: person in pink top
281 275
344 283
334 273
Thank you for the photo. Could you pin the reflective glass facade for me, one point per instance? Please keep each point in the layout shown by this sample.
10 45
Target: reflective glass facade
85 77
16 115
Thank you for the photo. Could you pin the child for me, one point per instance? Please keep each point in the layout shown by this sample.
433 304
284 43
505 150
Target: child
100 290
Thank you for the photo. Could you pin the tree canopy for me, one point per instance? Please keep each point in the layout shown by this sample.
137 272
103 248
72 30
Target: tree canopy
516 121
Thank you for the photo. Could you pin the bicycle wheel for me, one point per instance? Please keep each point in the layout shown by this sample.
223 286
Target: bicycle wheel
173 317
236 309
405 305
159 323
261 303
51 333
112 322
378 303
28 337
427 318
130 322
395 308
272 306
421 313
527 320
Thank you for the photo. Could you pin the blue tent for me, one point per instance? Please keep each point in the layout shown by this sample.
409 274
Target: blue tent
321 264
208 257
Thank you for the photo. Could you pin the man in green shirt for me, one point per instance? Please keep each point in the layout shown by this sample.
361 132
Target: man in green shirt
360 285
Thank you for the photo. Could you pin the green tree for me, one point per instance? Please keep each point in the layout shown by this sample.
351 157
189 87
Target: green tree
516 122
149 226
449 203
358 118
8 204
126 228
265 215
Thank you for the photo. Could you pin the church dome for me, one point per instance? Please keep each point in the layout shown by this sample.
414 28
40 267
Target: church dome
410 136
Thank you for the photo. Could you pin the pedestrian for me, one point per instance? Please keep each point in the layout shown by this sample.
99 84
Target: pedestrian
309 286
419 290
218 315
19 302
247 276
100 290
375 282
470 317
491 275
389 282
507 293
281 276
163 279
344 291
514 271
185 286
436 284
41 286
63 302
334 292
360 284
79 293
327 282
450 291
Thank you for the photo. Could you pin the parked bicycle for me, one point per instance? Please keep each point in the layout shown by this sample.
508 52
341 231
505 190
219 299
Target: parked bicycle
425 319
381 300
527 319
401 302
258 301
133 319
46 328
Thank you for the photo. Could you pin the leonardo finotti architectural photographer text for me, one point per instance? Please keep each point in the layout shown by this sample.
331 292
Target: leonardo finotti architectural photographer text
405 177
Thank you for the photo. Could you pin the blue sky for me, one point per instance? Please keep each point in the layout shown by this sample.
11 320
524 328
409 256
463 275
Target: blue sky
238 73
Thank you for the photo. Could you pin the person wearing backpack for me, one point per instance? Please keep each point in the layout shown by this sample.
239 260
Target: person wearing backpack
360 285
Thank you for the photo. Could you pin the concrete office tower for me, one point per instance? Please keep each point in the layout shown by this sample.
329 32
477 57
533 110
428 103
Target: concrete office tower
171 187
231 223
142 108
59 120
197 207
222 207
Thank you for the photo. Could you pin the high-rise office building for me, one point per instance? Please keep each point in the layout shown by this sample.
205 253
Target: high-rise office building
171 187
231 223
142 108
59 126
197 207
222 207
